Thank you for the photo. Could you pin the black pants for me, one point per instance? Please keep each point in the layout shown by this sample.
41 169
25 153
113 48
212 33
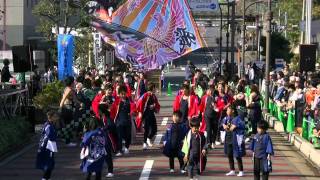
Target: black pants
67 116
258 167
194 164
231 158
211 128
171 159
150 127
47 174
109 162
123 133
98 176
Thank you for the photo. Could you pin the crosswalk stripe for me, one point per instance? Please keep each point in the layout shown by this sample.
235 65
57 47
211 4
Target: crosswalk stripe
146 170
158 139
164 121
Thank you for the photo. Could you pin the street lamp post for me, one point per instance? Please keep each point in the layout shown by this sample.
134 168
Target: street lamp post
268 42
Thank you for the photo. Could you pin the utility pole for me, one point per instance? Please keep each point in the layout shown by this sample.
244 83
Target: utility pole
233 29
243 39
268 42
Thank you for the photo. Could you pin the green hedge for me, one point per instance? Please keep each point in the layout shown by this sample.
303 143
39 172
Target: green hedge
13 133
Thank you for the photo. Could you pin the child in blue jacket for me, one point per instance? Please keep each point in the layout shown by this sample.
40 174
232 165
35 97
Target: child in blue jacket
173 141
93 152
234 146
262 149
47 146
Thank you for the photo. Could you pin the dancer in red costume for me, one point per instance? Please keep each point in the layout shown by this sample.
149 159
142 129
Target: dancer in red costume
121 111
209 111
147 106
187 104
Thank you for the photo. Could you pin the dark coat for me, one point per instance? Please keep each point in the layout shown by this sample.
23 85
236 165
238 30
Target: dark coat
167 150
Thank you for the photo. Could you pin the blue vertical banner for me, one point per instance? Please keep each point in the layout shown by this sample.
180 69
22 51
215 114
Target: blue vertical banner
65 55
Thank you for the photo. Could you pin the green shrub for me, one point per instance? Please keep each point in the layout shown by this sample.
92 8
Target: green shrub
13 132
50 96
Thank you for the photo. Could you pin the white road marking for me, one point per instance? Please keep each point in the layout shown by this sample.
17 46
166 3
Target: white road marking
146 170
164 121
158 139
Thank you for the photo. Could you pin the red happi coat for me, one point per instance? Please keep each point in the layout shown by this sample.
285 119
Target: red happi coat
193 109
114 111
221 103
142 105
95 104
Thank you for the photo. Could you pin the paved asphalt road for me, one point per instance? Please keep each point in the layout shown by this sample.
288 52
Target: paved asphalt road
287 163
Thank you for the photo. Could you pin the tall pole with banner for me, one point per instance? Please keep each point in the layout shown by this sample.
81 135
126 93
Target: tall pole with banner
97 47
65 55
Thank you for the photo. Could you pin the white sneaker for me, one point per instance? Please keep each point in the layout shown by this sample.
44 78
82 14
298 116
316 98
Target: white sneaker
231 173
218 143
149 142
119 154
183 171
144 146
213 146
71 144
171 170
240 174
247 140
109 175
126 151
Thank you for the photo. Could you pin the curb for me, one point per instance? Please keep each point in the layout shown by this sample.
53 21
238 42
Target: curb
302 145
15 154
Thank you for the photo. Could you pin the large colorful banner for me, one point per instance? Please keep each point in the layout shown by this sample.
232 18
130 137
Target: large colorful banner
65 56
149 33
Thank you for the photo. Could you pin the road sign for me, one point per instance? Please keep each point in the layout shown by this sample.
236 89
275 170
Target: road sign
280 63
203 5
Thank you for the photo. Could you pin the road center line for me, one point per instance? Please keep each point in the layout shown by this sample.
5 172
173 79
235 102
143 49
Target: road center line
158 139
164 121
146 170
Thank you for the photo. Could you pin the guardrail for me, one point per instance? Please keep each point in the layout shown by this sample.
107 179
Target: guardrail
12 102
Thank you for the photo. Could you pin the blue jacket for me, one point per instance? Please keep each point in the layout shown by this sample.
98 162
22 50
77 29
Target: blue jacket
167 150
96 142
238 137
45 157
280 93
262 146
